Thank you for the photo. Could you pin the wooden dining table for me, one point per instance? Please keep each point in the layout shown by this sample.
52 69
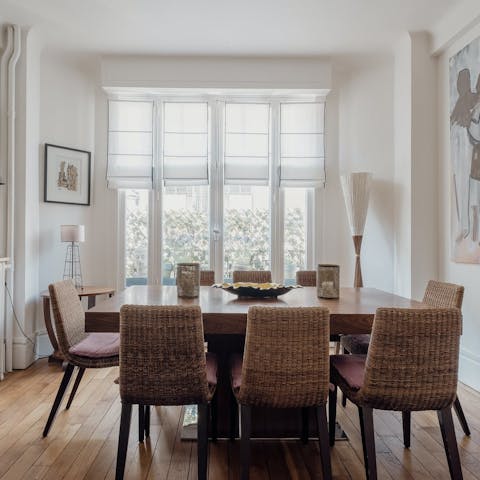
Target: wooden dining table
225 318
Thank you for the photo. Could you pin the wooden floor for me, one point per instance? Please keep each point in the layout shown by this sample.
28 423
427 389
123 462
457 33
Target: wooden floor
82 443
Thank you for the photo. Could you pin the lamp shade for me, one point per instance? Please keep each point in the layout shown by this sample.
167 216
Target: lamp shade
356 191
72 233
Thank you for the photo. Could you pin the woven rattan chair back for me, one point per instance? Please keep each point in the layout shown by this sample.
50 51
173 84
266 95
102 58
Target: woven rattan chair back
207 278
254 276
306 278
412 362
285 363
68 314
441 294
162 357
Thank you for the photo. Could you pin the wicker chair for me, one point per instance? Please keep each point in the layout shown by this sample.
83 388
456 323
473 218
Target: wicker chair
255 276
306 278
285 364
80 349
411 365
437 294
163 362
207 278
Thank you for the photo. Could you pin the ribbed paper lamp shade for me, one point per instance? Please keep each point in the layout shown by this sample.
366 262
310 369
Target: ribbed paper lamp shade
356 191
72 233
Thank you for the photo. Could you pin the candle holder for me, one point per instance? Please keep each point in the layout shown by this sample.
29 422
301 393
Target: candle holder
328 281
188 279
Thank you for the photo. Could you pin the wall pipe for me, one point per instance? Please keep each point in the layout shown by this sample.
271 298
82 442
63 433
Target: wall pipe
16 33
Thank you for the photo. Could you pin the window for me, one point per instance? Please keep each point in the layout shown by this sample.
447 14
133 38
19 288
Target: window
295 231
136 237
185 229
234 184
247 229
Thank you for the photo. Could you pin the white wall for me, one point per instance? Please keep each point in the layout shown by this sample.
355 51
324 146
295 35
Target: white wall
356 144
70 99
464 274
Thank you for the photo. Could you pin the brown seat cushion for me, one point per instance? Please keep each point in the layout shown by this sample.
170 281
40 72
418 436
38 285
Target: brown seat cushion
212 368
350 368
357 344
97 345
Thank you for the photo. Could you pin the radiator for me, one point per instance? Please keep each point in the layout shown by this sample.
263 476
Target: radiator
5 329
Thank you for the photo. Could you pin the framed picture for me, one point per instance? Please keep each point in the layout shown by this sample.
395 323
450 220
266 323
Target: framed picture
67 175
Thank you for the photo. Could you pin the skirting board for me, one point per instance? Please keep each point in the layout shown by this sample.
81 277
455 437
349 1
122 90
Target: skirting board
469 368
23 353
44 347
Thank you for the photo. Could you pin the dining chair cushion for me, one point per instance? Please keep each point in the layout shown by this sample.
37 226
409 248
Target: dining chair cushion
97 345
356 344
350 368
212 368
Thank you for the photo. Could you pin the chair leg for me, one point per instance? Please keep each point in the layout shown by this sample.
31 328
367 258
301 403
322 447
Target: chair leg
332 414
202 440
233 416
344 397
141 423
323 442
58 399
123 440
80 373
450 443
305 419
406 421
245 431
214 415
147 421
368 441
461 416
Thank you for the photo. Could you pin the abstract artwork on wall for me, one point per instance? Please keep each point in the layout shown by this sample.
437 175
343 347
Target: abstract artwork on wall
465 153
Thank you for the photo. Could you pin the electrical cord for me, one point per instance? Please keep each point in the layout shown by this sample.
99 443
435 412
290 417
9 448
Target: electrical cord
34 347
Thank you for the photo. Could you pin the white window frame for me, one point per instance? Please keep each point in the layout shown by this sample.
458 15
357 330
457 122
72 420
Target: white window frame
314 231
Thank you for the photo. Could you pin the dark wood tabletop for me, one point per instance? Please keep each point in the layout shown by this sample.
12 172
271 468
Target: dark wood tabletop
225 313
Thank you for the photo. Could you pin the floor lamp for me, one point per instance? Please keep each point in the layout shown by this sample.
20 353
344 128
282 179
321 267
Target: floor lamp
356 191
73 234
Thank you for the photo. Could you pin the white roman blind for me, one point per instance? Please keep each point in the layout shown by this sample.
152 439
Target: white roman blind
247 143
185 143
130 144
302 144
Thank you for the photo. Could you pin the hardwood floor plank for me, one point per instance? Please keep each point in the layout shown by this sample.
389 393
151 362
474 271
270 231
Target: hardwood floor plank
82 444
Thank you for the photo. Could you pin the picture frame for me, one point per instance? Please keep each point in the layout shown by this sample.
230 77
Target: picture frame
67 175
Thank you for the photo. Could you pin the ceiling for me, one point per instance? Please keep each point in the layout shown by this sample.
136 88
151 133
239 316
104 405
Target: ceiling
225 27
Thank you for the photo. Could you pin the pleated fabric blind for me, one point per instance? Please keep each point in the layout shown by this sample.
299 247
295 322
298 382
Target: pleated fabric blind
247 143
185 143
302 145
130 144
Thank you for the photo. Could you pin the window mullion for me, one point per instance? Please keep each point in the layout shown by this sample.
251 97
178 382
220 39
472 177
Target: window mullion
155 218
216 189
277 203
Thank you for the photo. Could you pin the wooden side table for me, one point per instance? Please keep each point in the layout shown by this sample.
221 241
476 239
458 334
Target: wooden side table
89 292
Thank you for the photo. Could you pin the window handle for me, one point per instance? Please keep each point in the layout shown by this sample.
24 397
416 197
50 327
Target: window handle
216 234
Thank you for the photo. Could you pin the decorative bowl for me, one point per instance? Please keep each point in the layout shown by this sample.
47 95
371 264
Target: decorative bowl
258 290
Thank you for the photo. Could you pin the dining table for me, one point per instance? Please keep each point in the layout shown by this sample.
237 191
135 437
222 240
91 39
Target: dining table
225 318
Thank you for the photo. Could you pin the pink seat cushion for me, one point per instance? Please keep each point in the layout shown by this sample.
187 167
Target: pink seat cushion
212 368
97 345
351 368
236 371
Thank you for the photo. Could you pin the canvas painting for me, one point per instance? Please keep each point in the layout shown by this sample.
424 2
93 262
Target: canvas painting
67 175
465 153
